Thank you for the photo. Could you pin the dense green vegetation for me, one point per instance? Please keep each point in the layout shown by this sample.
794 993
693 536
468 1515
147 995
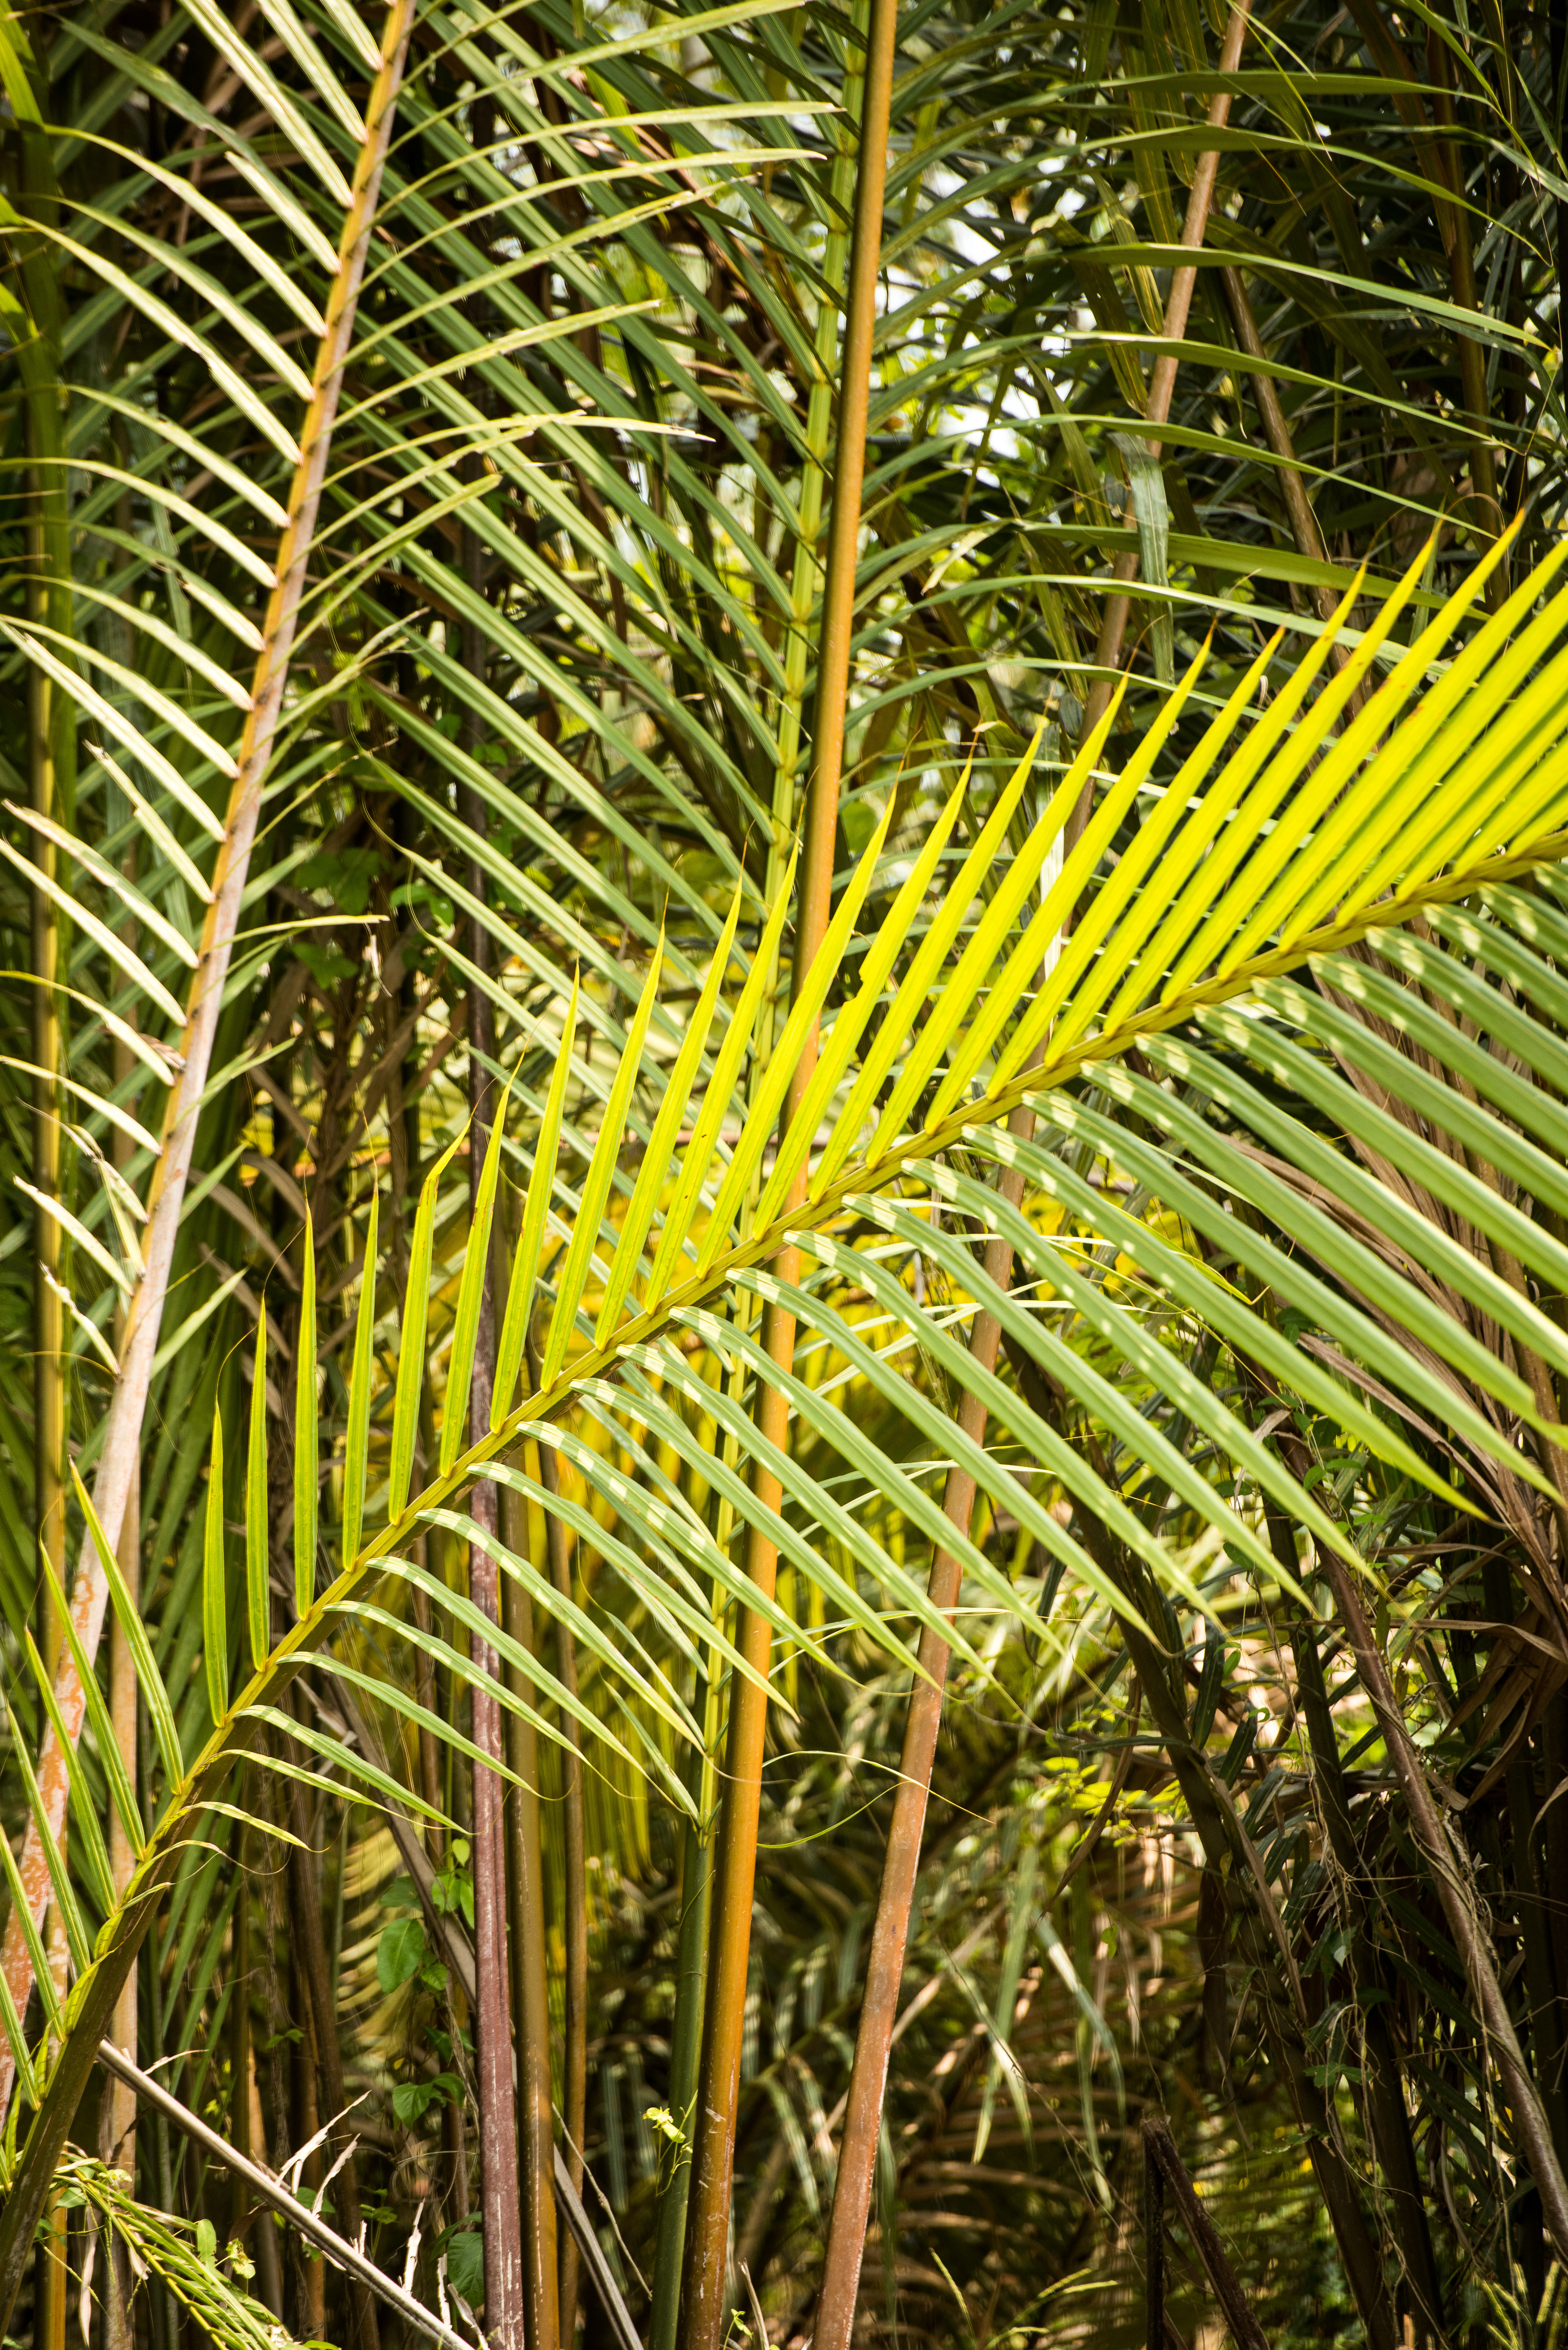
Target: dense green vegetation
784 1244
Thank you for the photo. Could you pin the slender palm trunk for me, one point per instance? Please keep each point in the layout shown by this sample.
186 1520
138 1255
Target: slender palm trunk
500 2188
51 731
121 1445
574 1857
117 2119
696 1889
704 2296
855 2178
530 1986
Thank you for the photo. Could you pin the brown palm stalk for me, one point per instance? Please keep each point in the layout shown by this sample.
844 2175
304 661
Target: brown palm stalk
499 2190
704 2281
121 1448
856 2171
530 1988
574 1870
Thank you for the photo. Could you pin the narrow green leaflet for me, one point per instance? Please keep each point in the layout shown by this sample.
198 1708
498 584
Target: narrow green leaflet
306 1435
41 1974
666 1127
114 1770
681 1213
839 1045
1019 1921
412 1357
597 1182
259 1558
356 1447
531 1241
159 1712
84 1811
214 1596
21 2055
66 1901
768 1098
469 1298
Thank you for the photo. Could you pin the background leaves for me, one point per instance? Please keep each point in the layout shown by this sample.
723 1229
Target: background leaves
1288 1267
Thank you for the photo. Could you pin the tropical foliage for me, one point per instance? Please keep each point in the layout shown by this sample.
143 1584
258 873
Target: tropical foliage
785 1252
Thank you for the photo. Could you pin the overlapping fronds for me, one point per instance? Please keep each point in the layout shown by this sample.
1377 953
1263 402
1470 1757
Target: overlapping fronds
1202 911
1245 990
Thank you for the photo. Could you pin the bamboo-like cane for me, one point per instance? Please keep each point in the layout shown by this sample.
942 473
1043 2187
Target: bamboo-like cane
121 1450
890 1932
704 2280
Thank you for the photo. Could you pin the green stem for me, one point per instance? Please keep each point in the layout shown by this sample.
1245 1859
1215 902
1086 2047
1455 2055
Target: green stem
691 1986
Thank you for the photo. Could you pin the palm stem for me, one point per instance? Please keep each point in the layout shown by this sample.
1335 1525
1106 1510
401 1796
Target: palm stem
120 1449
116 2125
500 2191
574 1870
704 2279
530 1988
51 729
855 2183
814 463
47 709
